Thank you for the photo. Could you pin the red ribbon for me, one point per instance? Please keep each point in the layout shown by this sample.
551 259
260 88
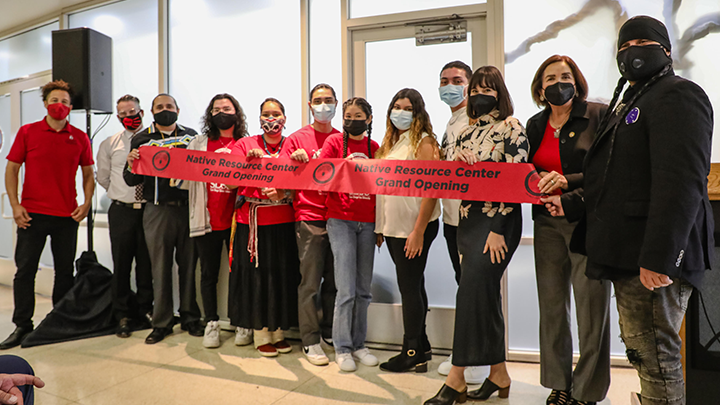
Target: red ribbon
484 181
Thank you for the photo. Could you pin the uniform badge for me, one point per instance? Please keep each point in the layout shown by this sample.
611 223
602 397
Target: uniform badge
632 116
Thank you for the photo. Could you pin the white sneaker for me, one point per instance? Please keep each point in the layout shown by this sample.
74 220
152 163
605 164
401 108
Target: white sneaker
328 343
635 399
445 366
212 335
243 336
476 374
365 357
345 361
316 355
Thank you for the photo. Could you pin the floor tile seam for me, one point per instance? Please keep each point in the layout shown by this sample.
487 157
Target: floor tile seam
79 400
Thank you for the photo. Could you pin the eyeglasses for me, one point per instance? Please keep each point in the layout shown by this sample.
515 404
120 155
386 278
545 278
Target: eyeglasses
129 113
226 110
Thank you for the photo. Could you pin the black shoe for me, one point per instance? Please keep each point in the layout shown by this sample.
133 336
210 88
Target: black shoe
447 396
412 358
123 330
558 397
574 401
15 338
157 335
487 389
194 328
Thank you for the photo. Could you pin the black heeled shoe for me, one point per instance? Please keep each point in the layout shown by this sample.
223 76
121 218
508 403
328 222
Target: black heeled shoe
558 397
486 390
447 396
412 358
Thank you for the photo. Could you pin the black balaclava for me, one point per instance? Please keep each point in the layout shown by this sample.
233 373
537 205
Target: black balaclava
642 62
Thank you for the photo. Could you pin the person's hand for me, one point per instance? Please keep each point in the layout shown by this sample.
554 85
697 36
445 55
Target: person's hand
349 157
80 212
495 244
414 245
300 155
551 182
9 383
467 157
22 218
553 205
134 154
652 280
379 240
272 193
256 153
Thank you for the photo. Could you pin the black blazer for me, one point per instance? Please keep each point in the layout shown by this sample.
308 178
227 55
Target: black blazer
576 138
645 192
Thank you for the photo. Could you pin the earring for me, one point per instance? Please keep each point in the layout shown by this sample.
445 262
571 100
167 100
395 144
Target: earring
542 98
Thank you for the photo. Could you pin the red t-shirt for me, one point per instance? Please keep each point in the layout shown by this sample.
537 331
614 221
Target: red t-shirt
309 204
51 161
547 156
221 200
349 206
268 215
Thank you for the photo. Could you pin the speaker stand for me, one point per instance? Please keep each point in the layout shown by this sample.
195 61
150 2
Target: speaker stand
90 221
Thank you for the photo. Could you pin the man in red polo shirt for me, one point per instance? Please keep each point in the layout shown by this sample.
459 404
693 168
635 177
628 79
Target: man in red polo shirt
51 150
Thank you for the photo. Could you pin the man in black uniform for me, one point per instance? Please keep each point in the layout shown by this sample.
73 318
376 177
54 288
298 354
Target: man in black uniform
166 224
649 222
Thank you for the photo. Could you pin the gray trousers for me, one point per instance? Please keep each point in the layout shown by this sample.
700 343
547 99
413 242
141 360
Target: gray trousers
316 292
557 270
167 232
650 325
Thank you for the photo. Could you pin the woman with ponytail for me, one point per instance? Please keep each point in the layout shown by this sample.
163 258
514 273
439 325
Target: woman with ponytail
351 229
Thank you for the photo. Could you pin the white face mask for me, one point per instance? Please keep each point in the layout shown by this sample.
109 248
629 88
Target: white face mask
401 119
323 112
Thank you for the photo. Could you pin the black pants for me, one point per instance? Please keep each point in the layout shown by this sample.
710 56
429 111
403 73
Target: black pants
30 244
167 232
209 248
127 240
10 364
450 233
411 281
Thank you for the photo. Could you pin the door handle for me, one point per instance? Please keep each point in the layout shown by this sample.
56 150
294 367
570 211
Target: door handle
2 206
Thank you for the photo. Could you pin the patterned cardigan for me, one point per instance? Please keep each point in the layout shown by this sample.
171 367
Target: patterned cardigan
494 141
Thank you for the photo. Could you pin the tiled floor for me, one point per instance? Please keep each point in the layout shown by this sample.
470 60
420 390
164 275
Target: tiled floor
108 370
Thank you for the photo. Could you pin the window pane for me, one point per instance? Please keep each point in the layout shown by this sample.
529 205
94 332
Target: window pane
368 8
6 225
424 76
27 53
248 49
326 49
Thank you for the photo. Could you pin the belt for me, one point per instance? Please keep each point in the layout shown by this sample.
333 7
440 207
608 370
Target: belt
135 206
179 203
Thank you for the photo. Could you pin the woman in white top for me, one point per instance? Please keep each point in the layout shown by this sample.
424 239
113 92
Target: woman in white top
409 225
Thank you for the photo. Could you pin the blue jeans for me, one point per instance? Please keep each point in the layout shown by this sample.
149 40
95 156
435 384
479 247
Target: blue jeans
649 325
352 244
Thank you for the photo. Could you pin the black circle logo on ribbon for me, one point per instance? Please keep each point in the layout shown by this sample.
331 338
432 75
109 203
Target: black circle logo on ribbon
324 172
534 178
161 160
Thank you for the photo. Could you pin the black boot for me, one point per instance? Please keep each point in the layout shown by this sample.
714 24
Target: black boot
426 347
412 358
447 396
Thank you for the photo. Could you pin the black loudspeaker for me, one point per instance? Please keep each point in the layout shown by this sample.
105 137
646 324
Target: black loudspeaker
83 58
702 337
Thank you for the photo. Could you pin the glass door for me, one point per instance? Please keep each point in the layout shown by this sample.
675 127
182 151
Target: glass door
385 60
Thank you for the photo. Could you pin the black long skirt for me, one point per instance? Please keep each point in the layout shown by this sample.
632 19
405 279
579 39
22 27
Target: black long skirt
479 324
265 296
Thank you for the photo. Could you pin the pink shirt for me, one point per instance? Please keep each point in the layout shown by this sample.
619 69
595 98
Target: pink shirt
349 206
309 204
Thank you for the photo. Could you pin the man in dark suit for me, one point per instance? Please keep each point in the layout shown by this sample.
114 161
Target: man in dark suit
649 222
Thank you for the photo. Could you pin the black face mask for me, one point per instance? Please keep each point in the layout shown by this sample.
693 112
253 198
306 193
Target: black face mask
165 118
224 121
559 93
355 127
480 104
642 62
